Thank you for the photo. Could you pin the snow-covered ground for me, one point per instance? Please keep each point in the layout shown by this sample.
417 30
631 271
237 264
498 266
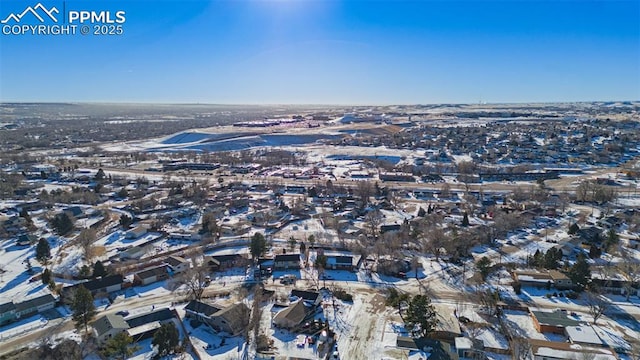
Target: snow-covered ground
14 279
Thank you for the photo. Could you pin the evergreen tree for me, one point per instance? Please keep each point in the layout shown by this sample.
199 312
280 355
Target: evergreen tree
484 266
126 221
119 346
320 264
465 220
25 215
166 339
123 192
258 245
292 242
99 269
611 240
43 251
550 259
580 273
62 224
85 271
536 260
51 285
100 175
83 308
420 317
573 229
210 224
46 276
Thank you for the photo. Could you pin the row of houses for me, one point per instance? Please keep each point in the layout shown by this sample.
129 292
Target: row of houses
139 327
103 286
610 283
232 319
10 311
584 340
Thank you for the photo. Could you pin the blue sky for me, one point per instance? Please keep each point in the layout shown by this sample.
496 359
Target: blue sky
333 52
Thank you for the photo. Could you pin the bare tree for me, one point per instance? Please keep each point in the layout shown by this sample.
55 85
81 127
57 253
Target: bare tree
415 265
597 304
255 315
364 190
474 330
489 300
395 199
583 190
520 348
85 239
465 170
629 269
587 355
372 220
505 222
192 282
445 191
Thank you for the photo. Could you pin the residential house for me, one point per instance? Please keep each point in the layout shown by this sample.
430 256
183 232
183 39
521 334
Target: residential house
434 349
133 253
448 327
393 267
34 306
560 280
14 224
389 227
312 298
26 240
396 176
591 235
292 316
583 335
539 279
151 275
343 261
136 232
75 212
200 311
178 264
7 313
224 262
108 326
467 348
101 285
230 319
551 350
553 322
614 283
144 326
187 236
287 261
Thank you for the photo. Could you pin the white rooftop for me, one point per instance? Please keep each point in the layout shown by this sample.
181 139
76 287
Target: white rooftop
583 334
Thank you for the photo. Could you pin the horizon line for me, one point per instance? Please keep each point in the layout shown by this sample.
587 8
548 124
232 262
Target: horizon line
312 104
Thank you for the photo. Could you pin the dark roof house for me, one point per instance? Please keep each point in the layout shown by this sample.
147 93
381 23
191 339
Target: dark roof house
310 296
197 307
161 315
